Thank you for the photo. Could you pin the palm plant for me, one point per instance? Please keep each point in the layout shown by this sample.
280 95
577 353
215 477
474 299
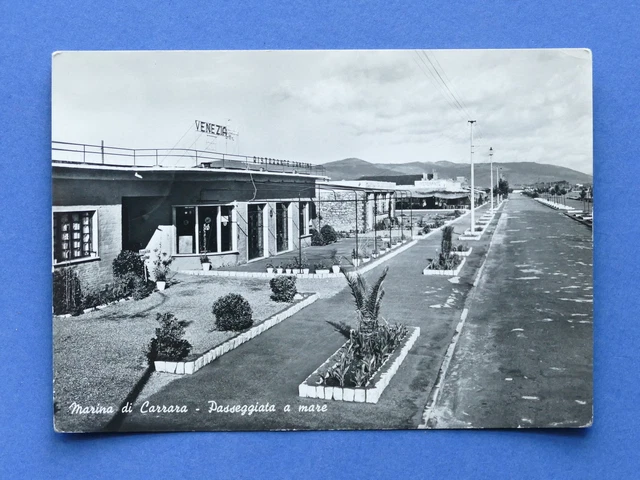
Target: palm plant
446 243
367 300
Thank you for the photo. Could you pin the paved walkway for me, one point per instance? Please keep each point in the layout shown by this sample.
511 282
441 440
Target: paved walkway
270 367
525 355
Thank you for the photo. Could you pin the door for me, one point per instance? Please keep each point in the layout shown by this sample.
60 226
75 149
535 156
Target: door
282 227
255 231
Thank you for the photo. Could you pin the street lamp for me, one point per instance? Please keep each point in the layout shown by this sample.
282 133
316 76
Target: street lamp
491 170
473 190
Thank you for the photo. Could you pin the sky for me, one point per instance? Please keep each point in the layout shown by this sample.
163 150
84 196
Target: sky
385 106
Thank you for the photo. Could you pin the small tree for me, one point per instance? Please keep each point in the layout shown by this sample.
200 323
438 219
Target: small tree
168 344
446 243
128 262
367 300
67 292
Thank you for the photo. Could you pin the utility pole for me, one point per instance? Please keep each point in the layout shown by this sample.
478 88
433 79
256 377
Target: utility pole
473 188
491 170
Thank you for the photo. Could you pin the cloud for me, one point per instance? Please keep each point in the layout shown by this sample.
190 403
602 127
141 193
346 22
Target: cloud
318 106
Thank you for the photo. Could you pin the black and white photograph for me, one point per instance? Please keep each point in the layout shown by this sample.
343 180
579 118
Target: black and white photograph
322 240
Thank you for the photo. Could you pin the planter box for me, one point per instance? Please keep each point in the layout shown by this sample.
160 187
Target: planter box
463 254
428 271
322 271
193 365
206 267
279 271
372 391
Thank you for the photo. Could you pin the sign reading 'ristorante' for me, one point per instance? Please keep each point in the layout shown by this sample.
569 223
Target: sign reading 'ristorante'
211 128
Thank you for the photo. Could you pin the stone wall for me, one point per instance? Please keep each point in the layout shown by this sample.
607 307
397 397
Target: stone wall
338 209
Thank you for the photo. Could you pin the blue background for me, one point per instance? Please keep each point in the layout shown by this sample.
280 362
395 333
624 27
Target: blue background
28 36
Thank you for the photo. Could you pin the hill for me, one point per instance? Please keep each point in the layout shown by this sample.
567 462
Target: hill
354 168
517 173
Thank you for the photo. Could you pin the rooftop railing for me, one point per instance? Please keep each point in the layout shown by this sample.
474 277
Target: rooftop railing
73 153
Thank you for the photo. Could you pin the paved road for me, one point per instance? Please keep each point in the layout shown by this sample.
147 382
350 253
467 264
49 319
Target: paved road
524 357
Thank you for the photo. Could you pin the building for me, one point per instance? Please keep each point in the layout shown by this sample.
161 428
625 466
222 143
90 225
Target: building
233 209
432 192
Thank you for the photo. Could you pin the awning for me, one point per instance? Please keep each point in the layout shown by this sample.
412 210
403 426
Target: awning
445 195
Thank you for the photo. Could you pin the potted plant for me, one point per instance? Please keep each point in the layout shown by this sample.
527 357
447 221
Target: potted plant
269 267
161 268
204 261
289 268
321 268
280 269
375 253
365 255
335 260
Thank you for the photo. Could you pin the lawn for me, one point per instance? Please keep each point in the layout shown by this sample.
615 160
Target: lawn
99 356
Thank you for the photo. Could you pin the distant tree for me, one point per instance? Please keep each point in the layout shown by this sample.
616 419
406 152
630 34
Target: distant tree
583 193
503 188
556 189
563 191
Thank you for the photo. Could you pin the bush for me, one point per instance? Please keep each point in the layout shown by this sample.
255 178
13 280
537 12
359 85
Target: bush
168 344
283 288
127 262
316 238
67 292
329 235
232 312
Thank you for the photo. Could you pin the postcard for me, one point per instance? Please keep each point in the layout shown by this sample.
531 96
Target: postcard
322 240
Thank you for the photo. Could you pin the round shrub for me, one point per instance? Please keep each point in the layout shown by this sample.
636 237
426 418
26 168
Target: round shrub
283 288
232 312
126 262
316 238
329 235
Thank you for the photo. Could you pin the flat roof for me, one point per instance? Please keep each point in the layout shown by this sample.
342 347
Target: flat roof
173 169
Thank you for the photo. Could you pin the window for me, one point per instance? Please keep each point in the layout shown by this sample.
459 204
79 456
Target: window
304 218
205 229
74 236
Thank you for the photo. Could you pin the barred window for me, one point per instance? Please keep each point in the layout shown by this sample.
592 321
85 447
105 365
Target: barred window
73 236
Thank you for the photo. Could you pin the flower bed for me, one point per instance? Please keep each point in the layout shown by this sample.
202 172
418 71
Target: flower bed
463 253
454 271
316 385
196 362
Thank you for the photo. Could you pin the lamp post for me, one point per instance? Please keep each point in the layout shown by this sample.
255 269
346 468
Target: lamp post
473 189
491 170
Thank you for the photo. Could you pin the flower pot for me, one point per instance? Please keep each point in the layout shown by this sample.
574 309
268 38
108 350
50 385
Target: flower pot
356 262
335 268
269 269
206 266
289 271
161 285
279 271
375 255
366 259
305 270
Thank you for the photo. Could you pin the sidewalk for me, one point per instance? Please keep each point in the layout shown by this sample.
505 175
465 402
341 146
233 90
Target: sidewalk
270 367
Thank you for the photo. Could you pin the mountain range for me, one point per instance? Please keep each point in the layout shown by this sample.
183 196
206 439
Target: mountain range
516 173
